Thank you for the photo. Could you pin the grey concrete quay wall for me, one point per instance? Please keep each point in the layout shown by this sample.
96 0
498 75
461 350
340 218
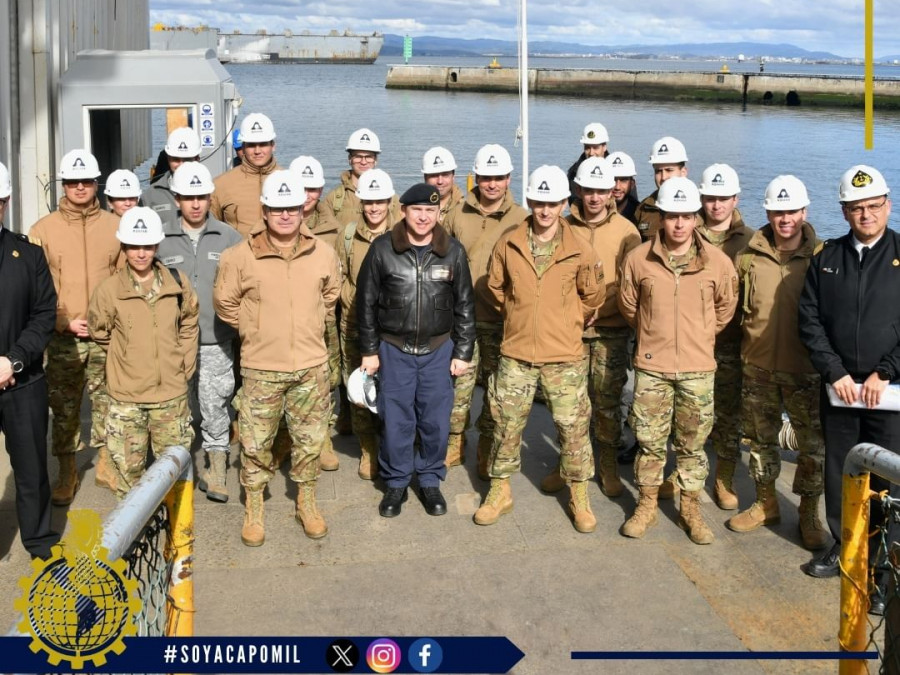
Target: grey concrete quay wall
762 88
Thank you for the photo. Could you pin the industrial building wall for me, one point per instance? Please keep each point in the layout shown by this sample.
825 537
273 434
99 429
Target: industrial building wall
37 44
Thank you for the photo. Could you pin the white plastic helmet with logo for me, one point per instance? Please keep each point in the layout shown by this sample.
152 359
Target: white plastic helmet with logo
374 184
862 182
594 134
719 180
283 189
184 143
785 193
5 182
622 165
365 140
192 178
595 173
310 171
438 160
257 128
362 390
492 160
78 165
140 226
678 195
122 184
668 150
547 184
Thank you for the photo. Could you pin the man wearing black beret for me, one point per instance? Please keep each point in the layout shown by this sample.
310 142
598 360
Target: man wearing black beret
416 314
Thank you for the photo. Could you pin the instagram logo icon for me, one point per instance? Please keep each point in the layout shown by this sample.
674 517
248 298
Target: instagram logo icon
383 656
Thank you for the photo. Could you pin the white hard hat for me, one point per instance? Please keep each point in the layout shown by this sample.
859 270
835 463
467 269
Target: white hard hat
862 182
78 165
719 180
184 143
492 160
622 165
594 134
785 193
678 195
364 139
257 128
374 184
282 189
191 179
547 184
140 226
361 390
438 160
122 184
5 182
310 171
595 173
668 150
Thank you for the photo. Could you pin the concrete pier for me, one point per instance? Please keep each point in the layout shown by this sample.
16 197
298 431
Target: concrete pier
754 88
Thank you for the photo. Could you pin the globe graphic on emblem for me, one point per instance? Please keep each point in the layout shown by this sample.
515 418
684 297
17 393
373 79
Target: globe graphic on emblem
78 610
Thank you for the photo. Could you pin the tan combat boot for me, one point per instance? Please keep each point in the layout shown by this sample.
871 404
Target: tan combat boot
67 484
254 531
328 460
106 474
813 534
368 459
485 443
691 519
213 483
725 496
553 481
580 507
608 474
308 513
645 515
764 511
456 450
498 502
669 489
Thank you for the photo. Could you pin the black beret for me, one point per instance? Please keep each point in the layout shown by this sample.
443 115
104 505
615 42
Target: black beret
421 193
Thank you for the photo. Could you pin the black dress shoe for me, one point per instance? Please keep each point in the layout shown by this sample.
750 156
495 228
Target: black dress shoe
828 565
390 503
433 501
628 456
876 601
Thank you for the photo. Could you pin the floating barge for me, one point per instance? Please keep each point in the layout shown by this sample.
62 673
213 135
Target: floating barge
758 88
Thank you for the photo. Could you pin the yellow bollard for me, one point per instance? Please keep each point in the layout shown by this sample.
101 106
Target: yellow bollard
854 571
180 549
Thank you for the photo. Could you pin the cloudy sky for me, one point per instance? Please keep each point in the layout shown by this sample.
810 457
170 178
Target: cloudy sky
829 25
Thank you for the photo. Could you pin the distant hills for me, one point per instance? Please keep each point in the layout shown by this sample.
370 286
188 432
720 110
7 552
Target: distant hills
427 45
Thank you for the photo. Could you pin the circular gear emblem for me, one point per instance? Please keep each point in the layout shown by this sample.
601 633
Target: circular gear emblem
78 607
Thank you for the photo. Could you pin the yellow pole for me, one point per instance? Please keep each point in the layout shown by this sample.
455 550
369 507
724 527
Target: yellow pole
854 571
180 607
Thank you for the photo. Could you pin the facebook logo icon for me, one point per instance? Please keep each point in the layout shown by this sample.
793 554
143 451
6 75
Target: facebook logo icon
425 655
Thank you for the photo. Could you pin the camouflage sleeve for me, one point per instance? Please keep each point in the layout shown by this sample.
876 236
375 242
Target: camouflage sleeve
189 328
227 289
726 295
101 316
628 292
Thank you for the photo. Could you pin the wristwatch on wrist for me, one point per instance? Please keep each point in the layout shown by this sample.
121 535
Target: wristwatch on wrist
16 365
883 373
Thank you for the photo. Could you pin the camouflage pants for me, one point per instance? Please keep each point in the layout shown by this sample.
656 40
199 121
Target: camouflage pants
512 393
362 420
725 436
213 386
766 394
303 397
485 360
333 345
132 428
72 363
608 373
661 400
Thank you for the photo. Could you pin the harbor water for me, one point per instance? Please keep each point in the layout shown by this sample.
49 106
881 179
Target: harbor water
316 107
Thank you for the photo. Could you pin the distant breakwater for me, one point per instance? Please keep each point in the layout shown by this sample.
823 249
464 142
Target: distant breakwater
745 88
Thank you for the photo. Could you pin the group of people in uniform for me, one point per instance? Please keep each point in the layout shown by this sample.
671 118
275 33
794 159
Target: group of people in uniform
252 290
